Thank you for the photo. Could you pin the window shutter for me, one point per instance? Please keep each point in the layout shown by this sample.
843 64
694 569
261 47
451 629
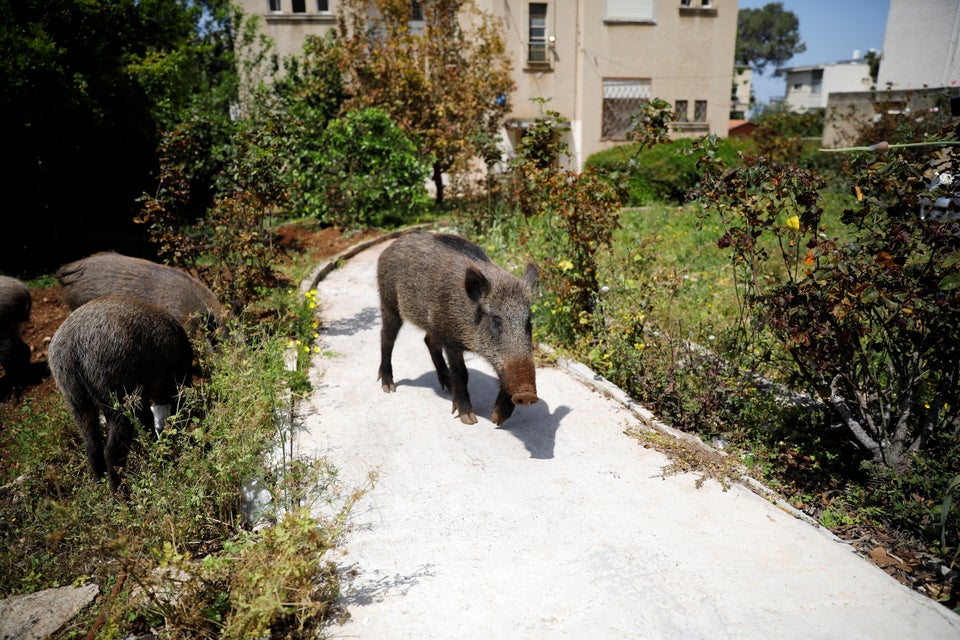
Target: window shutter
629 9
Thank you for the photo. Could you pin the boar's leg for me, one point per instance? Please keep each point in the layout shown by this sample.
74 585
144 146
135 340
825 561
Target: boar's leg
458 386
436 354
88 419
120 432
502 408
388 335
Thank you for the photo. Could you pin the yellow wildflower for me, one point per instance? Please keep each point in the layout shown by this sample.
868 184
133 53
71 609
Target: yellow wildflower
794 222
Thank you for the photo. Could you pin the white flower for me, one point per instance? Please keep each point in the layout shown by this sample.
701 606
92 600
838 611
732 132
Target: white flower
945 179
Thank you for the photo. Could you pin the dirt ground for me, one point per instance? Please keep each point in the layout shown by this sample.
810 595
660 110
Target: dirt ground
891 553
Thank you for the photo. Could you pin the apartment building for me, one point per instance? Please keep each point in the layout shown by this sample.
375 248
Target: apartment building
594 60
809 87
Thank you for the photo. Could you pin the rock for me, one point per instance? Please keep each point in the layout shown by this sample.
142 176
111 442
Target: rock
38 615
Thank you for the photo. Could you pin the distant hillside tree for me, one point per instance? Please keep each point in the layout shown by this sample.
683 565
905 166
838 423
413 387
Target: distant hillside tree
769 35
438 67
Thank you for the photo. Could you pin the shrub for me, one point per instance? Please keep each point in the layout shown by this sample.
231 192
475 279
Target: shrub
365 173
870 324
665 172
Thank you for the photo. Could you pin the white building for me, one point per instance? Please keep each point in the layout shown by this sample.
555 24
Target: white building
921 45
809 87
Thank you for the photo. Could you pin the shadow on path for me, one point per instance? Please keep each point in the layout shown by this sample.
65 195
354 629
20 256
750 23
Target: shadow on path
363 320
535 426
364 590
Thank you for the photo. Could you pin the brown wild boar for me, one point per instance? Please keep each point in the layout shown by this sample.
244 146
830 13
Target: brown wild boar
15 303
112 355
448 287
184 297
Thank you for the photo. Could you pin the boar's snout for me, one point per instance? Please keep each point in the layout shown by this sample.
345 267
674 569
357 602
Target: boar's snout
520 382
525 398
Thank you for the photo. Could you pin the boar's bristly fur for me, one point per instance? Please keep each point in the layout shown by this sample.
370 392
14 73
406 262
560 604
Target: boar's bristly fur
103 274
448 287
15 303
114 355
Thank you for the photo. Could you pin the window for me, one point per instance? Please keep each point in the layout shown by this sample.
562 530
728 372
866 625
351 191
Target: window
700 111
538 32
274 6
323 6
629 10
299 6
416 10
817 85
680 110
621 99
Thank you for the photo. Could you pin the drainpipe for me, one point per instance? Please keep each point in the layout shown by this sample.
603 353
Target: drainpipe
577 129
951 51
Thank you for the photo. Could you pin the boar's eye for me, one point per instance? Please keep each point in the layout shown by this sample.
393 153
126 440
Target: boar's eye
496 325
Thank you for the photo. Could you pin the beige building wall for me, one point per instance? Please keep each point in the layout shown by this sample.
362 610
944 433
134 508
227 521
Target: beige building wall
289 29
681 50
684 52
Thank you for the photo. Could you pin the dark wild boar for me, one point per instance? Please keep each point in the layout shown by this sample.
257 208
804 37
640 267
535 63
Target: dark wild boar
103 274
15 303
448 287
112 355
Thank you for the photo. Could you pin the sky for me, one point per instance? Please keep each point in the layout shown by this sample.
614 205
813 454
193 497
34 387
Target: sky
832 31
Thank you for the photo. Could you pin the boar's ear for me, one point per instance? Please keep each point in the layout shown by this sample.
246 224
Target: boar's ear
530 277
476 284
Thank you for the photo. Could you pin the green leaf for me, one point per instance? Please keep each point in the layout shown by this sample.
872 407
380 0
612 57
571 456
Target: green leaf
950 282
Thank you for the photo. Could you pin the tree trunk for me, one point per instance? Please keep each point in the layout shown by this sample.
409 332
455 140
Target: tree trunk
438 182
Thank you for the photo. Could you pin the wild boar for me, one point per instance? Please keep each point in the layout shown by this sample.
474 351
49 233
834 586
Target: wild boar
451 289
102 274
114 355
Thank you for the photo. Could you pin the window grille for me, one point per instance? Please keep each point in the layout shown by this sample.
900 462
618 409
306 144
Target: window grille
416 10
274 6
323 6
700 111
621 100
680 109
537 47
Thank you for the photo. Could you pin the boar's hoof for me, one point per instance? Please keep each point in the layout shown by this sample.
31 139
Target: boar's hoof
388 388
466 417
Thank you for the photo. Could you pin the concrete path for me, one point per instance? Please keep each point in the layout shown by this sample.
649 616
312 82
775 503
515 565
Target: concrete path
558 525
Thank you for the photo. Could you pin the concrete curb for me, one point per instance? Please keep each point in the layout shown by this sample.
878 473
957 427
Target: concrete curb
324 268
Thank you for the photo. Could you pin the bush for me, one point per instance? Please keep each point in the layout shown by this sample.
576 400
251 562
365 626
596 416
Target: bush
365 173
665 172
870 324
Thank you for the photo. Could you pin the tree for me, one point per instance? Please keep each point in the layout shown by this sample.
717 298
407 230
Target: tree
767 36
444 80
84 88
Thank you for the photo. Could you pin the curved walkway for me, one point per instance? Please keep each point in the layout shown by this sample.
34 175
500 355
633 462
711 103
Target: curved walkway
557 525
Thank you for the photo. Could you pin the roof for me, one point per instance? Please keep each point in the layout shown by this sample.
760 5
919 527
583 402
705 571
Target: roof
812 67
